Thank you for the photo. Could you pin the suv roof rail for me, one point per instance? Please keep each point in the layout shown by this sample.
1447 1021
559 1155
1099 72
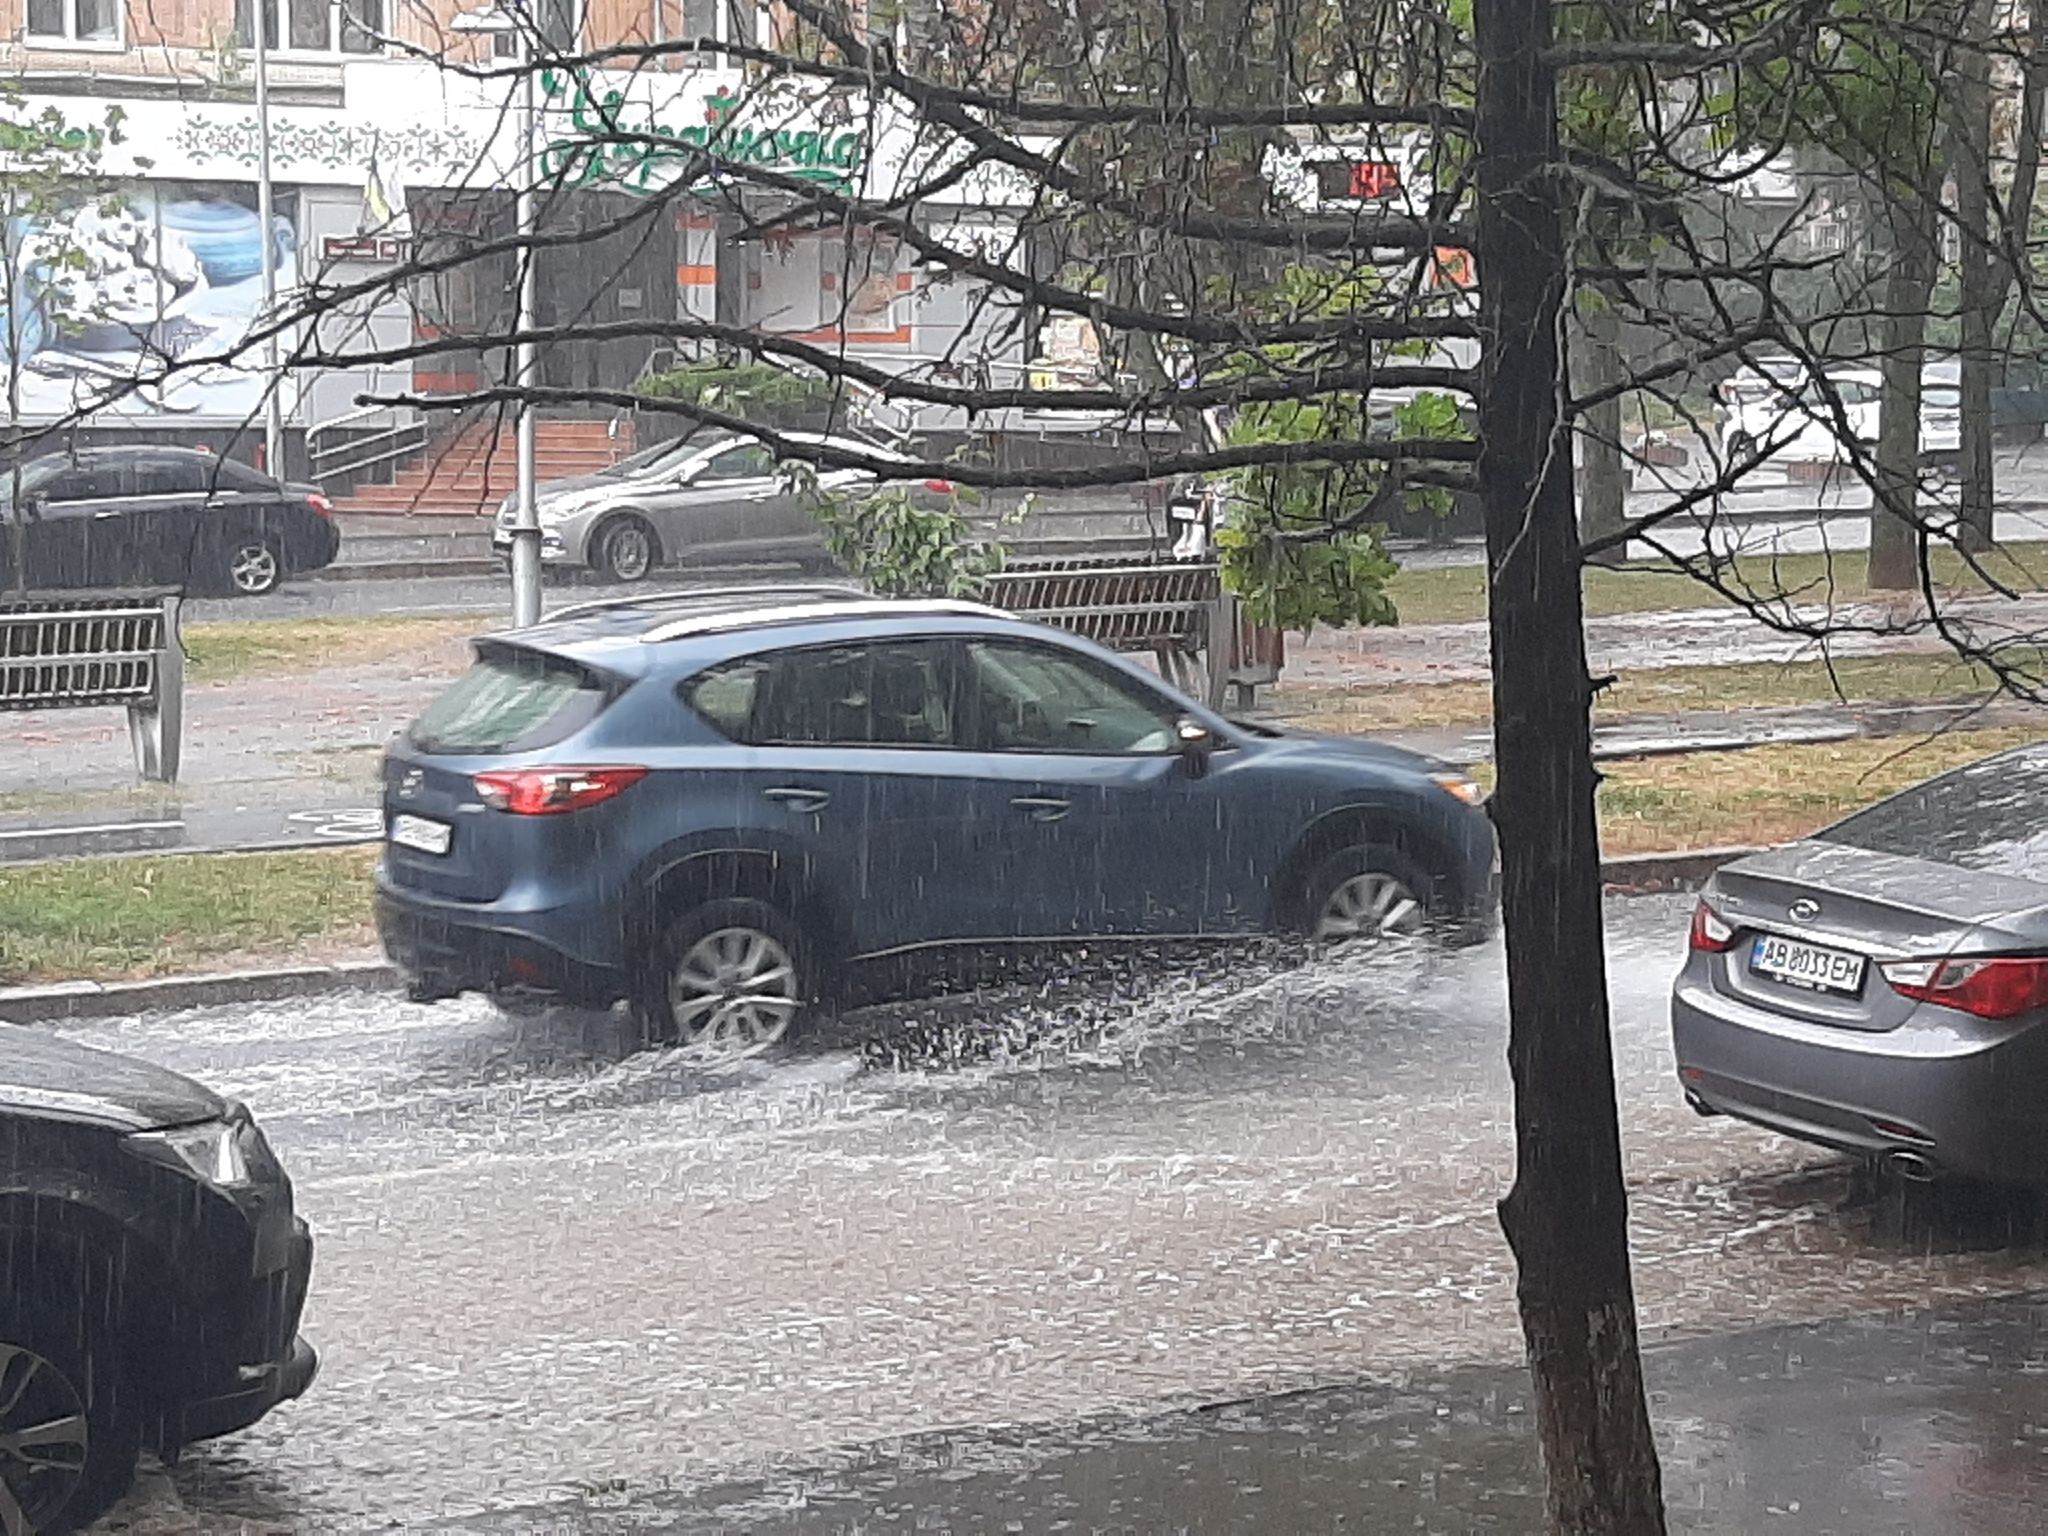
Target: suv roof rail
820 591
859 606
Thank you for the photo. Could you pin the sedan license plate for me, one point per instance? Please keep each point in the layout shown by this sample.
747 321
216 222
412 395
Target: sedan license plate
1807 965
422 835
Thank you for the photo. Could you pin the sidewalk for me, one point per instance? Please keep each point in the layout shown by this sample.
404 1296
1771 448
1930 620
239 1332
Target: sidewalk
292 758
1916 1425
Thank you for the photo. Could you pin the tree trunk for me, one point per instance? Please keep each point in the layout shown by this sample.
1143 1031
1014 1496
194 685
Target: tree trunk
1970 163
1566 1217
2026 176
17 523
1606 480
1894 522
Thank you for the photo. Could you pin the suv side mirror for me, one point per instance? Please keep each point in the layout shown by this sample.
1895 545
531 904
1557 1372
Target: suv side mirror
1197 742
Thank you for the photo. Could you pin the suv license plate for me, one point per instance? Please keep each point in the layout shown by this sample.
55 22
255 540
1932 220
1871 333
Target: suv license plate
420 834
1807 965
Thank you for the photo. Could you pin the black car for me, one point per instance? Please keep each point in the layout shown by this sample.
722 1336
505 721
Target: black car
109 517
152 1272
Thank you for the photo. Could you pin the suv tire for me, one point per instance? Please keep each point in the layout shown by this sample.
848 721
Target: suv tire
1366 892
60 1358
730 978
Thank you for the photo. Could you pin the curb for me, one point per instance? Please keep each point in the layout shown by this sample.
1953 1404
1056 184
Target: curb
403 570
98 1000
1641 874
1635 874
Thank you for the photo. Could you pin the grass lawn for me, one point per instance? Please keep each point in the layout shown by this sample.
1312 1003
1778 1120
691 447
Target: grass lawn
1771 794
1457 594
158 915
267 647
1863 679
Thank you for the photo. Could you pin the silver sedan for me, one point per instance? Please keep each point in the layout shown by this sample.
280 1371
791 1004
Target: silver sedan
718 502
1882 987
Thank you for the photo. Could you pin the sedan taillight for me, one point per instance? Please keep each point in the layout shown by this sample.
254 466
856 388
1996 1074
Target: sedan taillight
2000 987
553 791
1712 934
320 504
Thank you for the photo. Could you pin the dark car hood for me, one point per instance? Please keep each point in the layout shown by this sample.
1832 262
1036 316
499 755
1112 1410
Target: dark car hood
46 1076
1286 739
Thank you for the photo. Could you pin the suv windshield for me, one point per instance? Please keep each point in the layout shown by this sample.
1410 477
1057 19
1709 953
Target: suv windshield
512 700
1986 816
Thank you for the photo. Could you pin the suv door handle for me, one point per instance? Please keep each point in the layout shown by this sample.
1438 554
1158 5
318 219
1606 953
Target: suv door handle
1042 807
802 801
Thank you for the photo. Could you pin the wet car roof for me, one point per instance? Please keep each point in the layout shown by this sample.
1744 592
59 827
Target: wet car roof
632 636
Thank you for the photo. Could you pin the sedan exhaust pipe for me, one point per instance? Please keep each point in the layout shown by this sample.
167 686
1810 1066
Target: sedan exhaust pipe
1911 1166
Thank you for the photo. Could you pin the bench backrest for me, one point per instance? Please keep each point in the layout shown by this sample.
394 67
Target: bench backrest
59 653
1121 605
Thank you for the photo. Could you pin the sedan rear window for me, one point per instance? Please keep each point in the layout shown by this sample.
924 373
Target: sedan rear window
512 700
1988 816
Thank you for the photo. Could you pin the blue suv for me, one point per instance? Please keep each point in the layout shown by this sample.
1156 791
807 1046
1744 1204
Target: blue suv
726 806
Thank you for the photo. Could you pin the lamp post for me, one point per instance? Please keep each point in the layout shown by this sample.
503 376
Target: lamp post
273 413
525 513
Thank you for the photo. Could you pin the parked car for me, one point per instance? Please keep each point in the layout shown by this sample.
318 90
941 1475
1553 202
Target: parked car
106 517
723 500
1882 987
1781 409
152 1272
727 806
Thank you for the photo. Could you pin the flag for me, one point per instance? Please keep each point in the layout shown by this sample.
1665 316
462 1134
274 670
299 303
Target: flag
384 211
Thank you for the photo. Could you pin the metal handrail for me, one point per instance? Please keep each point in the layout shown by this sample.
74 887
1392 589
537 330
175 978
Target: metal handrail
398 440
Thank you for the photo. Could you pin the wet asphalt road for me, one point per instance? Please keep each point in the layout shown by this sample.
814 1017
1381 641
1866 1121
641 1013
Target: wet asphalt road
553 1267
1890 1426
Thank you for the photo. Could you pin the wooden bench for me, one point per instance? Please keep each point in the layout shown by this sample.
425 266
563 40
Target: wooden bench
1179 611
92 650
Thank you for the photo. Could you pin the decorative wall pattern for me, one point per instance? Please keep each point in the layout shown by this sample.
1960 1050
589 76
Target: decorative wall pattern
333 145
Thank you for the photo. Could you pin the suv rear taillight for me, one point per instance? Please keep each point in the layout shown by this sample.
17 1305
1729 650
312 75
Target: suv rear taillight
941 487
2003 987
553 791
1712 934
320 504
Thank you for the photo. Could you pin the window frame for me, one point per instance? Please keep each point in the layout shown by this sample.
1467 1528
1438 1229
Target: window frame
704 475
977 739
724 13
953 676
167 464
69 40
284 47
124 488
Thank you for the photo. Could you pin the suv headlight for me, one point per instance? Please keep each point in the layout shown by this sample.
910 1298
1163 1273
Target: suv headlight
1459 787
211 1150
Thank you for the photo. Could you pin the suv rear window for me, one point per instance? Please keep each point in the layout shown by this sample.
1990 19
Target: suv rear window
1987 816
512 700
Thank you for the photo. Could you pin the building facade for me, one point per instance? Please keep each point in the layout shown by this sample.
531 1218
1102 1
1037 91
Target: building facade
390 138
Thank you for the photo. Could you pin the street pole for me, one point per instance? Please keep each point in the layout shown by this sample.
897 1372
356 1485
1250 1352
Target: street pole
273 418
526 519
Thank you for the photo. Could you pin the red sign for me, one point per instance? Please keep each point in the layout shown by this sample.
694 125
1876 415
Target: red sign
1374 178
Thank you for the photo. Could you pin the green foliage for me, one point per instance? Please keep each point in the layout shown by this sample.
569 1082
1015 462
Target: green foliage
1301 544
900 540
1296 583
755 391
